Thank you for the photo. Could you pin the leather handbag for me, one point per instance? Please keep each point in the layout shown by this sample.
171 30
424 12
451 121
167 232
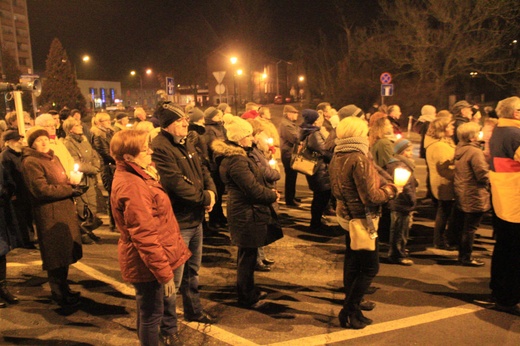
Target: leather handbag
303 160
360 236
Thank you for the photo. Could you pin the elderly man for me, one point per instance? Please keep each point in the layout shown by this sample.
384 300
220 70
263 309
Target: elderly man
504 148
462 113
192 193
289 131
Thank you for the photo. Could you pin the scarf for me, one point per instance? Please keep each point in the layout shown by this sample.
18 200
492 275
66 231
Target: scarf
346 145
76 137
409 162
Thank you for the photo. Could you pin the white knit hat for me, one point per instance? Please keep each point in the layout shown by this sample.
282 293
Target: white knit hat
236 128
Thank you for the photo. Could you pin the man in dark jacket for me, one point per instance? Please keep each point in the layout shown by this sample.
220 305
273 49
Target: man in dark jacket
462 114
289 131
192 193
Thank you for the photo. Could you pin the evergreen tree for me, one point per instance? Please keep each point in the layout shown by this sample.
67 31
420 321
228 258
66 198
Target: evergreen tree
10 74
60 88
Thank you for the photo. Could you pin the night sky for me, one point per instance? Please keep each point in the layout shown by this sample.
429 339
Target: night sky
120 36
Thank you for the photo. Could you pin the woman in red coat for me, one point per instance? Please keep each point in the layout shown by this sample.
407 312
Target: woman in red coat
150 247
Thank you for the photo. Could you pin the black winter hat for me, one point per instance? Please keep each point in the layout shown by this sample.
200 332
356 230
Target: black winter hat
168 112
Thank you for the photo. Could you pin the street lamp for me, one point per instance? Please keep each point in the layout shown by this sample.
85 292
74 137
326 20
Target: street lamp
233 61
133 73
85 58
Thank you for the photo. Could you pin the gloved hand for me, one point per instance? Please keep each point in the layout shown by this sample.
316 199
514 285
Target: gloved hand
169 288
78 190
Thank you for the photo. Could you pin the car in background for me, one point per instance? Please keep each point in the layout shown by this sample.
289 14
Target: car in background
278 100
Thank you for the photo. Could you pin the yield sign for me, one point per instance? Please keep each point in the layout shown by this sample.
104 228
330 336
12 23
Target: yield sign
219 76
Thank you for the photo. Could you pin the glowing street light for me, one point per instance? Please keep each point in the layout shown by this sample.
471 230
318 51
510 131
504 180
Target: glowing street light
301 78
233 60
85 58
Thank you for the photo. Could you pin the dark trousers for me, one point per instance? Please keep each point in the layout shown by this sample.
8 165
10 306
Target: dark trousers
505 265
320 202
246 262
399 231
3 267
58 279
154 311
466 233
359 269
383 227
217 213
290 179
441 236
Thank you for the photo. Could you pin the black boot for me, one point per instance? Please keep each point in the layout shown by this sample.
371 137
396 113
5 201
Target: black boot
60 294
6 295
349 319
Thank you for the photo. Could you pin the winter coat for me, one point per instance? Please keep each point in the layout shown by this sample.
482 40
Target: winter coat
88 161
320 181
214 131
184 178
270 174
382 151
356 185
10 236
439 157
150 246
471 178
196 133
289 132
54 212
12 162
249 197
101 138
405 201
269 129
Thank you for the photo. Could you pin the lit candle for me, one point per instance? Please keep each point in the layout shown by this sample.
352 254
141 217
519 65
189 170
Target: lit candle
270 141
75 176
480 135
401 176
273 163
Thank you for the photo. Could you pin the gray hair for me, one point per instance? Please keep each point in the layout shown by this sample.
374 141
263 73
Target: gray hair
467 131
506 108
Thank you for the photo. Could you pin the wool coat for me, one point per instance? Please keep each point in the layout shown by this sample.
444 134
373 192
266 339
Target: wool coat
54 211
150 246
439 157
249 197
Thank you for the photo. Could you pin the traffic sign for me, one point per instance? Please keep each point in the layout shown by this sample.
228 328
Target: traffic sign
385 78
387 89
219 76
220 89
170 86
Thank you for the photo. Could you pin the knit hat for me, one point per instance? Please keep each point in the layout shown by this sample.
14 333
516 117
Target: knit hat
289 109
428 110
34 132
121 115
236 128
458 107
167 113
310 116
222 107
210 113
350 111
11 134
249 114
401 145
352 127
195 114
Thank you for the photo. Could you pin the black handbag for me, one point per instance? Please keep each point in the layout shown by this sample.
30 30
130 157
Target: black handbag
274 228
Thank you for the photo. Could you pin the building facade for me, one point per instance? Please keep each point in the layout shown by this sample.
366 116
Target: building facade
14 33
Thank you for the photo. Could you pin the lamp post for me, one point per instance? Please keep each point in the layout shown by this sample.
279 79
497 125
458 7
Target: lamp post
233 61
133 73
301 79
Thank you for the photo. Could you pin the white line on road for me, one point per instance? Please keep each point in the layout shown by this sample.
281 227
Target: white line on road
382 327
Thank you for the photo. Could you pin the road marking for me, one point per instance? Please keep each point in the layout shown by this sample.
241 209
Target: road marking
384 327
120 286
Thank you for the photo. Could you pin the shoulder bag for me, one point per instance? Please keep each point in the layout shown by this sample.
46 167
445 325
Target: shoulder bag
304 160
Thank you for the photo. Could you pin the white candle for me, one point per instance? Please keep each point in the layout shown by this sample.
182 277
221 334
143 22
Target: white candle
401 176
270 141
480 135
273 163
75 176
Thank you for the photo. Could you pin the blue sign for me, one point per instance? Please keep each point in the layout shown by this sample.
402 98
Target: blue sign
170 86
387 89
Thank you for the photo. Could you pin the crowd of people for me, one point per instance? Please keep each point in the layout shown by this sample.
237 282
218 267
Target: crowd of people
166 177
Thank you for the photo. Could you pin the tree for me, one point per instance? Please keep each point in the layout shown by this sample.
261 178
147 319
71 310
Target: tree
60 87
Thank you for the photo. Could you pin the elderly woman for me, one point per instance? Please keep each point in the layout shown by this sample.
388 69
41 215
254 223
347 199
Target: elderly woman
359 191
102 133
88 163
249 204
471 183
54 213
440 151
150 246
319 183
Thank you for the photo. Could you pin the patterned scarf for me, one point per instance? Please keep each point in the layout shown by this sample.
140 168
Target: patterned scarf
346 145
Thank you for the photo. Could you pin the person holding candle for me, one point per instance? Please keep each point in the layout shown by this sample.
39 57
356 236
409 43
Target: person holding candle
402 167
360 191
55 217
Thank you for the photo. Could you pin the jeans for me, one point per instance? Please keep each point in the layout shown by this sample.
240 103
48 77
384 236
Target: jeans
187 275
360 268
290 179
466 234
505 265
399 230
246 261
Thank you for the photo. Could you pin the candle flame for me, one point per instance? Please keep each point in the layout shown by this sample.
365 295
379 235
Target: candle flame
270 141
76 167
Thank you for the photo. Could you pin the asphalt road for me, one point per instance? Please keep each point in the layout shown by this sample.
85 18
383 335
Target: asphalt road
434 302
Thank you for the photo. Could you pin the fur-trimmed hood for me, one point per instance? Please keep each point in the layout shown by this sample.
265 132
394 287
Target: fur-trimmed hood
226 149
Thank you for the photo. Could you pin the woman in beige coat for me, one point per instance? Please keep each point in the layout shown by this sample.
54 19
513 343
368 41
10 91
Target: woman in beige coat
440 152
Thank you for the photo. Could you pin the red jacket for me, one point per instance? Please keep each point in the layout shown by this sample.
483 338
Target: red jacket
150 246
